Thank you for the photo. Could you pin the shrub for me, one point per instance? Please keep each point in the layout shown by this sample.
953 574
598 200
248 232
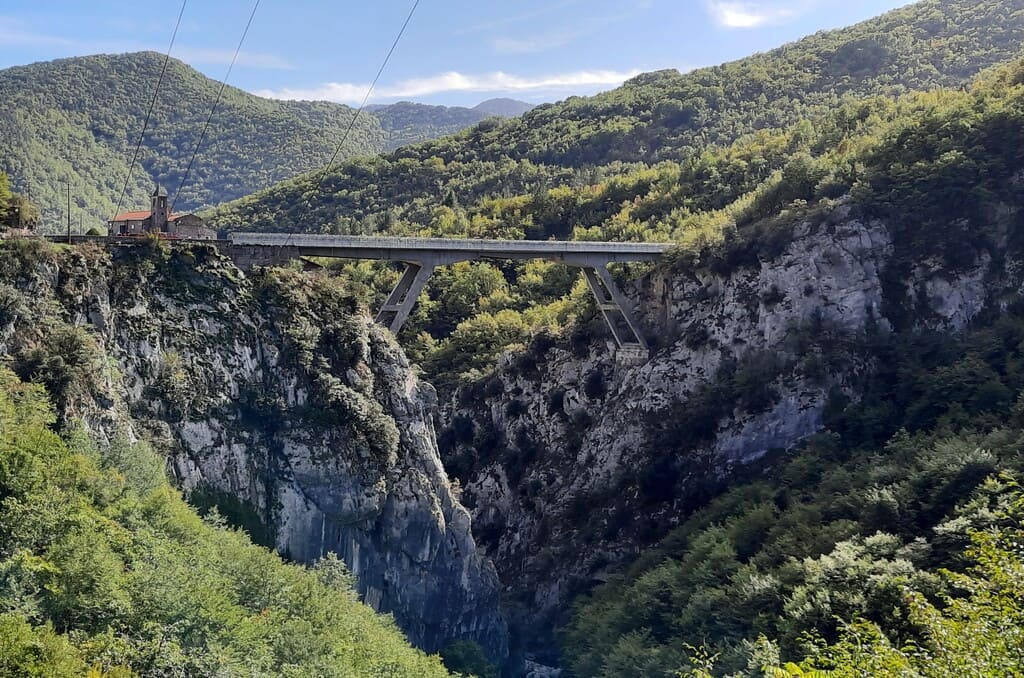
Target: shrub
466 657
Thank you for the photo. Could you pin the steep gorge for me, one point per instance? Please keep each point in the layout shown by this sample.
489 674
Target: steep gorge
574 463
275 399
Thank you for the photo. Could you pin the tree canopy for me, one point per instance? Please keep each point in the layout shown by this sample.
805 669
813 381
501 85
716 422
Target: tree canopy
106 571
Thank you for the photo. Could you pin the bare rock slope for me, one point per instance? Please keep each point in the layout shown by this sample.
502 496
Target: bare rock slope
276 400
574 461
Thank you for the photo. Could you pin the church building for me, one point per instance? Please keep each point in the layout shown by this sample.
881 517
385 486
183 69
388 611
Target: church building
159 220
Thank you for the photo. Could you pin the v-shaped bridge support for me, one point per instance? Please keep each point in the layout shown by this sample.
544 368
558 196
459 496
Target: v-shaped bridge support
396 309
611 302
614 307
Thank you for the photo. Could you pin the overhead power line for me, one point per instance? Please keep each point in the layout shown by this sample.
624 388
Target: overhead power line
213 109
156 94
362 105
366 98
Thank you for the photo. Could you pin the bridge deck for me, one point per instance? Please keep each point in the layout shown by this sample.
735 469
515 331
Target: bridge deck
447 250
422 255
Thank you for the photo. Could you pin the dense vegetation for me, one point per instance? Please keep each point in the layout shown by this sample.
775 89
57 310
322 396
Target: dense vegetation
617 166
105 571
931 164
656 116
974 631
79 119
852 528
16 211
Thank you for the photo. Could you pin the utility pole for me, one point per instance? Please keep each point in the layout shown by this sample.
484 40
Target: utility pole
69 211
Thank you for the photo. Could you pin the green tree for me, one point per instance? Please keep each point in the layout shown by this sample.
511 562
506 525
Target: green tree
6 200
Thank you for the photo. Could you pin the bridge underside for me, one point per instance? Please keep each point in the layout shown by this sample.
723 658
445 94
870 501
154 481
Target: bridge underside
422 255
612 304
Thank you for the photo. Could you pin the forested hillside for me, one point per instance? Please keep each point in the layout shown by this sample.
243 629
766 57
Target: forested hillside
79 119
656 116
836 352
407 122
856 526
108 572
533 177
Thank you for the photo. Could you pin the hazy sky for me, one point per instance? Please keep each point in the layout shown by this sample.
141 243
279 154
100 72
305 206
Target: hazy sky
454 51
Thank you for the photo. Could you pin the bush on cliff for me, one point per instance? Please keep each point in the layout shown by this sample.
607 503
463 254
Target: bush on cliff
105 570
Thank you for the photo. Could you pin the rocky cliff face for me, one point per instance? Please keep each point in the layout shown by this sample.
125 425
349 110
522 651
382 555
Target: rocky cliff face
573 462
277 402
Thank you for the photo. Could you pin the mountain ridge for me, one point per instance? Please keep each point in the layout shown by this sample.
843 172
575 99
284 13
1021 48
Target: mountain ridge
78 120
504 107
407 122
662 115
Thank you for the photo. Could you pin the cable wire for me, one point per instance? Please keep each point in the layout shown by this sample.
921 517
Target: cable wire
213 109
366 98
359 110
156 94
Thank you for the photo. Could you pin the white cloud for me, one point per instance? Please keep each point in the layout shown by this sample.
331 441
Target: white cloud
454 81
744 14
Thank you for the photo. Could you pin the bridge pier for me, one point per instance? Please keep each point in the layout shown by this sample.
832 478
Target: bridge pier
614 307
399 304
612 304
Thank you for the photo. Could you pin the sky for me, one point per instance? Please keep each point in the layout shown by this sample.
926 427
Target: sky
454 52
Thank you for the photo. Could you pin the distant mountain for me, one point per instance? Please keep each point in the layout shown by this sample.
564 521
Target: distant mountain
78 120
658 116
502 107
407 122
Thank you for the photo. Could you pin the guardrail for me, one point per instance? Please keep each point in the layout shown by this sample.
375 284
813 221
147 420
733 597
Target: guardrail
447 244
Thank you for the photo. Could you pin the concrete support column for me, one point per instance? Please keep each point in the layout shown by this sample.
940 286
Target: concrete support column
396 309
614 307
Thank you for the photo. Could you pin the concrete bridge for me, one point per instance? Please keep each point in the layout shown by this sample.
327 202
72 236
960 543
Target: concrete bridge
422 255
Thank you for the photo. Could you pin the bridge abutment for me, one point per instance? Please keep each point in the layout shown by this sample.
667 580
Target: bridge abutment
247 256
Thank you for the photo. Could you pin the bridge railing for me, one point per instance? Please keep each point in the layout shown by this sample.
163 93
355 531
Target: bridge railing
452 244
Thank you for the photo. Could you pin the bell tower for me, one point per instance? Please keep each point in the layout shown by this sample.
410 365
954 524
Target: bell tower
158 209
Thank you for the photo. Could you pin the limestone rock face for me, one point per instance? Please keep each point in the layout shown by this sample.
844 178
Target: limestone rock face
574 460
298 416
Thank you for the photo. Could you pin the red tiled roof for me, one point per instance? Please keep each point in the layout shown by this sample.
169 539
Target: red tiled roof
139 216
131 216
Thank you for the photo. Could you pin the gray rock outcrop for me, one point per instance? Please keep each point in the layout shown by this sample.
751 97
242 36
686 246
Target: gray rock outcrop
299 419
574 461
